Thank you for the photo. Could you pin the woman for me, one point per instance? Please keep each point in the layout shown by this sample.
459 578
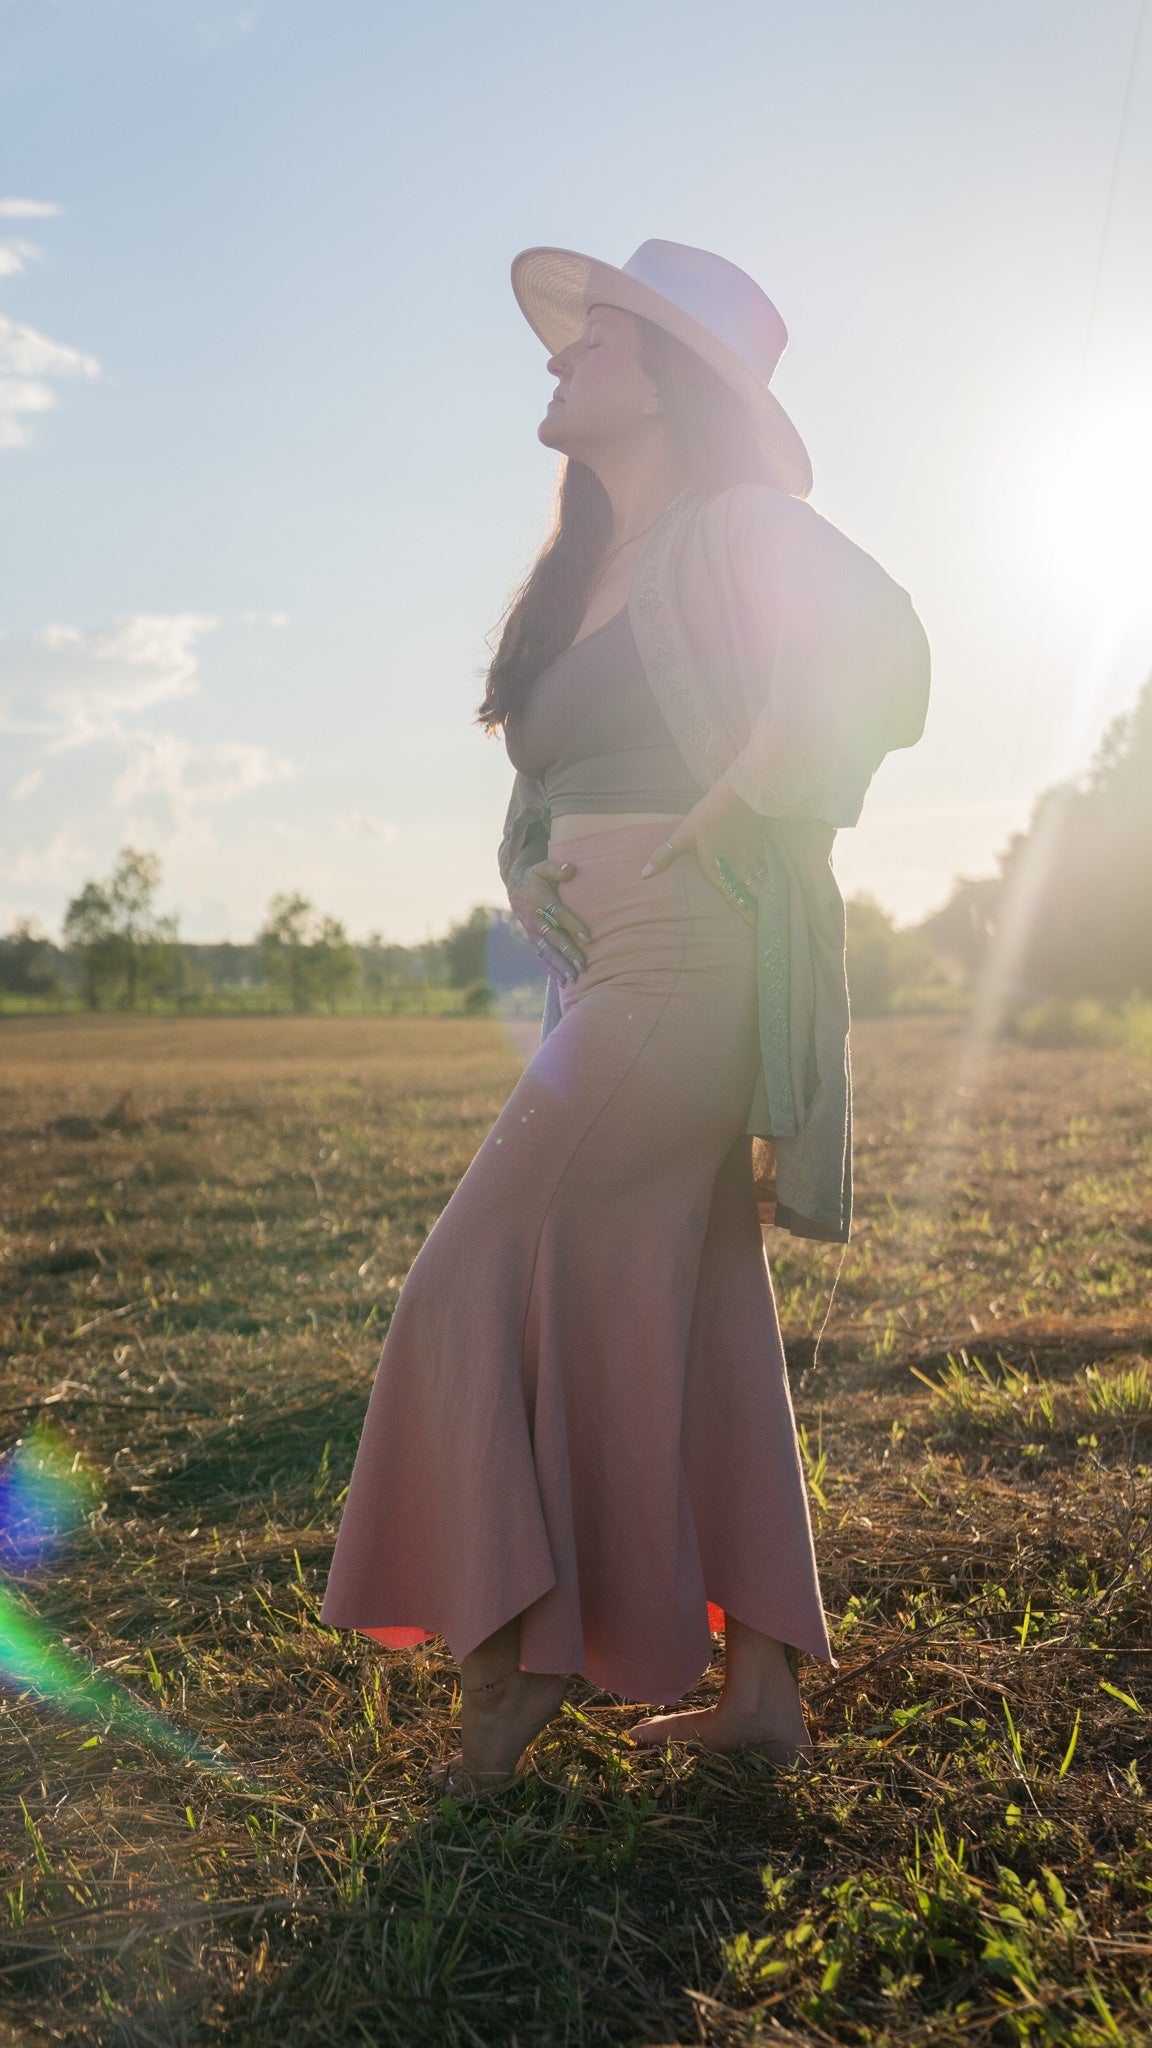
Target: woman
580 1453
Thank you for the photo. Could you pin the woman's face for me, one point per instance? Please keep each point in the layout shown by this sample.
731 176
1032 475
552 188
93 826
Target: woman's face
603 397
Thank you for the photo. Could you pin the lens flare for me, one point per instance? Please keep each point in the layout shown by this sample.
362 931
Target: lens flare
32 1659
45 1490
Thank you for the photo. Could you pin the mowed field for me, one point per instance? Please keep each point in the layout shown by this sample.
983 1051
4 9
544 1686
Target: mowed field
229 1837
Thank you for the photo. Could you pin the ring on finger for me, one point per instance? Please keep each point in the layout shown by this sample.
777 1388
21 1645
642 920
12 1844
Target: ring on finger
550 918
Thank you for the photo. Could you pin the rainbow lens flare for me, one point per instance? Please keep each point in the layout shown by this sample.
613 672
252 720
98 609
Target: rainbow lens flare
45 1490
32 1659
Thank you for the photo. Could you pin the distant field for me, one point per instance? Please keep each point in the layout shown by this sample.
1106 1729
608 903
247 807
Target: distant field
204 1226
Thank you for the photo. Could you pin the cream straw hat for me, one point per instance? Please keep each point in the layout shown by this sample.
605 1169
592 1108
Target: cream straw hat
706 302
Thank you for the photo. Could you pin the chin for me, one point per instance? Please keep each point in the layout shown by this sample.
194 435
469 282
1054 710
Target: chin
551 432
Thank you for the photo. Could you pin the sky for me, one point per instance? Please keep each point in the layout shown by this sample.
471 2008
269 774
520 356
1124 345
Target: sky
268 460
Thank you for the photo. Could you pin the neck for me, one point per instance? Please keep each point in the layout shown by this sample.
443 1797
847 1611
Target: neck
639 481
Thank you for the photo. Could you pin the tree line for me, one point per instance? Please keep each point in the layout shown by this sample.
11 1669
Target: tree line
119 951
1073 895
1075 888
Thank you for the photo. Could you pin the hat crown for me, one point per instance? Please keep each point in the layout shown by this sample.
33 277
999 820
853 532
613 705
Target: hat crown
719 295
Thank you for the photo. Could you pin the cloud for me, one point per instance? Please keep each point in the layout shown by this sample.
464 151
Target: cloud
186 777
50 865
16 256
69 689
25 352
64 690
29 363
29 209
277 619
19 397
359 825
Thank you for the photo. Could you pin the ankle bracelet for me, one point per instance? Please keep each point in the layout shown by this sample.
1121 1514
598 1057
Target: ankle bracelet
492 1683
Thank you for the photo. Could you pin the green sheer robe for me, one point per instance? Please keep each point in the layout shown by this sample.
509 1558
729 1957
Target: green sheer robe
787 660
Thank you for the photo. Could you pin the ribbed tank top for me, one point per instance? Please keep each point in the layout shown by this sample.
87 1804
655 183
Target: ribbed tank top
592 734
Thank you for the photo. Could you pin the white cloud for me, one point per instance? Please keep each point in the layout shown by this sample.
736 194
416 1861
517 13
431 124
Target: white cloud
20 397
69 688
186 777
359 825
79 708
49 866
16 256
29 209
25 352
29 361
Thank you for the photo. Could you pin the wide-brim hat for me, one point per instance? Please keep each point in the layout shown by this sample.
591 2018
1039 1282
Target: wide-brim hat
708 303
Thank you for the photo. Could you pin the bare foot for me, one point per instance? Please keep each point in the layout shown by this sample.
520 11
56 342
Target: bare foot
499 1721
782 1736
759 1707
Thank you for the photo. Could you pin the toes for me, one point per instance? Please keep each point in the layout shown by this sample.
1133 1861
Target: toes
649 1734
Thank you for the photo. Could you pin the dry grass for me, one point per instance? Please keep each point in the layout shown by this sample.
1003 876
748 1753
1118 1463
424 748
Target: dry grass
204 1227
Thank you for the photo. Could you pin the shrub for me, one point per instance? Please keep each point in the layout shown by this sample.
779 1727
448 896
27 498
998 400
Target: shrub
1084 1022
478 999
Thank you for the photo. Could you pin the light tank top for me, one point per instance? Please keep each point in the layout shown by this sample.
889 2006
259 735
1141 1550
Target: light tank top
592 734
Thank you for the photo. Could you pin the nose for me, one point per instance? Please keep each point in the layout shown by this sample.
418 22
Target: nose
557 365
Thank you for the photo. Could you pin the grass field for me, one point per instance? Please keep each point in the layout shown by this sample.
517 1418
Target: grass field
228 1838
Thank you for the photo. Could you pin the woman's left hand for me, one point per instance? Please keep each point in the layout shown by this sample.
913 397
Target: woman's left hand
721 827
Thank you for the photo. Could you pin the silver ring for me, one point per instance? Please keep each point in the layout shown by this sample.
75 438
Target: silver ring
540 945
550 907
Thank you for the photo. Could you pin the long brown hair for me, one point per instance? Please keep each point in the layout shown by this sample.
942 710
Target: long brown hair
713 433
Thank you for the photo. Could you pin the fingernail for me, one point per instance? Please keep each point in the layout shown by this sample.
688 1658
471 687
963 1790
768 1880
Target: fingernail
647 869
582 936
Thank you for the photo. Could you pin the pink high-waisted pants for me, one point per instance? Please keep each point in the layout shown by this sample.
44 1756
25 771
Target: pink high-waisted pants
581 1414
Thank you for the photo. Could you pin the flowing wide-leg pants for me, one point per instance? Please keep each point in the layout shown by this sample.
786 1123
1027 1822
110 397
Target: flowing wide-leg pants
581 1414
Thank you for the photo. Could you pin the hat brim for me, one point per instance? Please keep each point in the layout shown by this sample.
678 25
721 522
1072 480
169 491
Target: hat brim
554 289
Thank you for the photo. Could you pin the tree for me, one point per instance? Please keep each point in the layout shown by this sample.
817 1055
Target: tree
1070 911
123 942
146 938
466 948
335 960
871 955
88 933
26 964
490 945
890 969
285 948
306 957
